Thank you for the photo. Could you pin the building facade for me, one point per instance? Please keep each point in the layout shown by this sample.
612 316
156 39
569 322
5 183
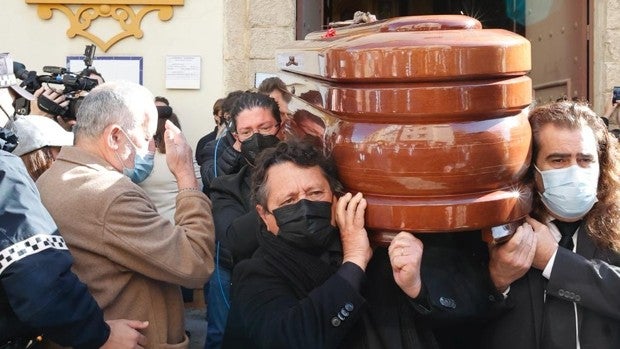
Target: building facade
235 39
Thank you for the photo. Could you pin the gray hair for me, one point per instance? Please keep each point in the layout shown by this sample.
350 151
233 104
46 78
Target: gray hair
121 102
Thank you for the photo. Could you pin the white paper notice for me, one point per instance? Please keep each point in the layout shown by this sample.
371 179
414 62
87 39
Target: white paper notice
183 72
111 67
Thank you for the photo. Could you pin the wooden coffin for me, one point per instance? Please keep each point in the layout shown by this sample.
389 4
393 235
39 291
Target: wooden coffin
430 125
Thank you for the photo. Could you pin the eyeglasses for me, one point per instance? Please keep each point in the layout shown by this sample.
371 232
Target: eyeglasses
246 133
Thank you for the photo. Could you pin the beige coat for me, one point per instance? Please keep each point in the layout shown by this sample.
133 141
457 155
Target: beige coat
131 258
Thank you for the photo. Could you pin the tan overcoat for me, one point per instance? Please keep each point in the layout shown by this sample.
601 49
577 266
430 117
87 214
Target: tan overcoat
131 258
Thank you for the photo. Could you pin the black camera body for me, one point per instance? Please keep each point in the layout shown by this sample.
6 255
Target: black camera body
615 95
72 83
69 112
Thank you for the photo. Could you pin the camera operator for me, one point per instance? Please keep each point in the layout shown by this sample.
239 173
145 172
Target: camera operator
93 74
25 103
58 104
10 88
612 118
56 97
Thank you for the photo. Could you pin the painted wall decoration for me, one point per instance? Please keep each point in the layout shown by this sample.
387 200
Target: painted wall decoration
128 14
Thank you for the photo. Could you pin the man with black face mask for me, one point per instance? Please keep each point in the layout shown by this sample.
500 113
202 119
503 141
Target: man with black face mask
255 123
312 284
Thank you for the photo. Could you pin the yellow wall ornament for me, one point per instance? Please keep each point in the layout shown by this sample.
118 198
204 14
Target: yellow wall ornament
84 12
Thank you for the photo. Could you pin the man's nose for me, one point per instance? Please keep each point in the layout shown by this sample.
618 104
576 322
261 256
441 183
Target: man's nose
573 162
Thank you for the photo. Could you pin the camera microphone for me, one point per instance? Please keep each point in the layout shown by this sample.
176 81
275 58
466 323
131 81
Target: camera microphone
29 78
20 71
54 70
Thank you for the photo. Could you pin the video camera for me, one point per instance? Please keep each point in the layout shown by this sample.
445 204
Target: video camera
615 95
73 84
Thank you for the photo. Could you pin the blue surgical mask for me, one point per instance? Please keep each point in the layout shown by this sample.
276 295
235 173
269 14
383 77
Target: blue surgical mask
570 192
143 164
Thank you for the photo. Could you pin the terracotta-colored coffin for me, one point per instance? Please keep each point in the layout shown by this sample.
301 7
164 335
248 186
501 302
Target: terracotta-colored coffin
431 126
401 24
448 55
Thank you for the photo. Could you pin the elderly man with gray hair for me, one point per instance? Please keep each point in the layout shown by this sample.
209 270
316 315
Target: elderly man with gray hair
131 258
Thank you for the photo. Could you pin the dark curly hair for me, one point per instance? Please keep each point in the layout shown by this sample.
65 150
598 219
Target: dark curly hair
249 100
301 153
603 220
162 100
229 102
158 137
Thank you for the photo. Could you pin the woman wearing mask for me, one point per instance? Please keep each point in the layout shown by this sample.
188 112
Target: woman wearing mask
255 123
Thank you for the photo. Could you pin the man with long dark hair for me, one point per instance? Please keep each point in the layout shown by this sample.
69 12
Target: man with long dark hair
561 269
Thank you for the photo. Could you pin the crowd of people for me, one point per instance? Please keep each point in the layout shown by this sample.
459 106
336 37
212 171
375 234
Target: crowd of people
124 214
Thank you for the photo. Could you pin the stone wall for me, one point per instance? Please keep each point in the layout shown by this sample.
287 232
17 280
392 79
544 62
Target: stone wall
606 47
253 29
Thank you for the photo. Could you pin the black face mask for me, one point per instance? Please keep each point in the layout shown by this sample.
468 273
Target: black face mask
251 147
306 224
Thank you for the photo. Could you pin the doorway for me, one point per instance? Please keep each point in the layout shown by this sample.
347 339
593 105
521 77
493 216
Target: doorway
557 29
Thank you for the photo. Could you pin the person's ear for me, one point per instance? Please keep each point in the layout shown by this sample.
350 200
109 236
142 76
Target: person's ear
268 219
112 135
262 213
334 206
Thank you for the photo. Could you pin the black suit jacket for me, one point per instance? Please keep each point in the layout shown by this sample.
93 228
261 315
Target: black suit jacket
219 158
201 153
236 221
458 300
590 278
266 313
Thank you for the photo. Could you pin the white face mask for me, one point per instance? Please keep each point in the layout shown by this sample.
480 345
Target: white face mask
570 192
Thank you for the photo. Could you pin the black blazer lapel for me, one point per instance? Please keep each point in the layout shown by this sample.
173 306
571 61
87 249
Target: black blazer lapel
585 245
587 249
